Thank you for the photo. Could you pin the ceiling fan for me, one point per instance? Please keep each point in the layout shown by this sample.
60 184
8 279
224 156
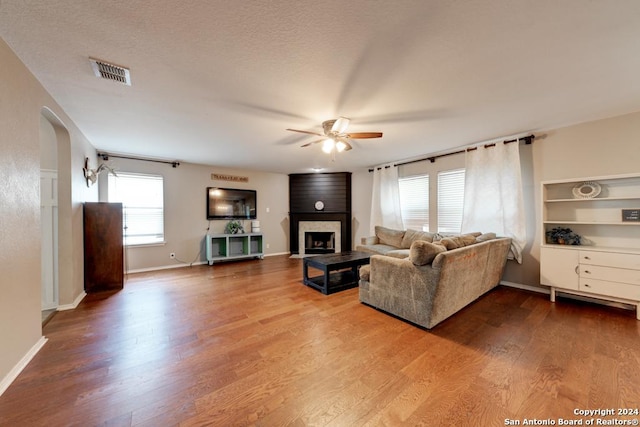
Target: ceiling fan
335 136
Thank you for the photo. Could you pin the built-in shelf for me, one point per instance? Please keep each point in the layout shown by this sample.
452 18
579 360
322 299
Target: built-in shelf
607 263
595 199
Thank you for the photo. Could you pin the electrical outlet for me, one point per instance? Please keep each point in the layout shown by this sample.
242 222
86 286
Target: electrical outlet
172 255
267 246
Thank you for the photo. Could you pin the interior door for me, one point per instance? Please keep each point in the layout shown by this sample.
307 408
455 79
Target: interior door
49 230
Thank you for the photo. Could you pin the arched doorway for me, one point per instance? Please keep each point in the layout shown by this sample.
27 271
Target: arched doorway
54 148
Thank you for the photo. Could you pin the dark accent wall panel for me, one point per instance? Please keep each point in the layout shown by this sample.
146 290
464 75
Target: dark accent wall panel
334 189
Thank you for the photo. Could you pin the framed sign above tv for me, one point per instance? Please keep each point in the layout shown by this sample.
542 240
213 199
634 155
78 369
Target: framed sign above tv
231 203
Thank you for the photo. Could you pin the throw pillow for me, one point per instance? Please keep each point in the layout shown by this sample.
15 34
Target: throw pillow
389 236
461 241
411 236
423 252
450 243
486 236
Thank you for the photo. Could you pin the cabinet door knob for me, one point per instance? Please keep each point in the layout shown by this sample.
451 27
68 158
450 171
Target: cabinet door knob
587 271
586 257
586 285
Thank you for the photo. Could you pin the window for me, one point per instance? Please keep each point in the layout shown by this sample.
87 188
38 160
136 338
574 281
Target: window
143 206
414 202
450 200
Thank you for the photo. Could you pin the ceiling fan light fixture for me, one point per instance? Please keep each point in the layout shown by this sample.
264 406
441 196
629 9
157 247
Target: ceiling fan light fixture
328 145
340 146
340 125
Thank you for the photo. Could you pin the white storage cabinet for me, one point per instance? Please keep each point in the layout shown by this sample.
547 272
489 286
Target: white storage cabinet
607 265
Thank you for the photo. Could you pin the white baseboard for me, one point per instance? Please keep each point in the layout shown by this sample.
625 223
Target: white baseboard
13 373
538 289
278 253
74 304
168 267
164 267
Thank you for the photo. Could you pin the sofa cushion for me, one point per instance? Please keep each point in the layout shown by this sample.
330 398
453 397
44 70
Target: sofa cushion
378 249
389 236
486 236
398 253
411 236
423 252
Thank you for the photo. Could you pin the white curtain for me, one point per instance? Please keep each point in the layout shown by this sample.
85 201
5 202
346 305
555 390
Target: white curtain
493 199
385 200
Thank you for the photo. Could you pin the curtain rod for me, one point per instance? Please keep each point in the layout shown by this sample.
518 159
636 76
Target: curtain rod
105 157
527 140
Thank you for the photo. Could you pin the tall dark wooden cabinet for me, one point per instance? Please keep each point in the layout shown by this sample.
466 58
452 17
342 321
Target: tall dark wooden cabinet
103 248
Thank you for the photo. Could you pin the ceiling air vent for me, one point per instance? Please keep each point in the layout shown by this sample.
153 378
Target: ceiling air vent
110 71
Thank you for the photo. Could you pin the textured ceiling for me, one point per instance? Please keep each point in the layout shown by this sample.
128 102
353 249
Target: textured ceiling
218 82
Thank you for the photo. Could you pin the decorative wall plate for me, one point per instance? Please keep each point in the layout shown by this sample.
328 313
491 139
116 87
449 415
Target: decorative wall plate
586 190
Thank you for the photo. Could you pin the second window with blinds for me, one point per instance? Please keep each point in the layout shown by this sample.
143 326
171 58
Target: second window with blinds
414 201
142 197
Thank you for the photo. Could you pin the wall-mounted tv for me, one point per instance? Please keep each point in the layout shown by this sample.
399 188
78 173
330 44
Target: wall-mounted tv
231 203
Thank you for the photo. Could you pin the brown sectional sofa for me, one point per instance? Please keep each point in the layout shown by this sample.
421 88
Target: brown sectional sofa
434 278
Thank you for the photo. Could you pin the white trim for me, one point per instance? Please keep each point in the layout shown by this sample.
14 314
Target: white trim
15 371
169 267
74 304
277 253
539 289
165 267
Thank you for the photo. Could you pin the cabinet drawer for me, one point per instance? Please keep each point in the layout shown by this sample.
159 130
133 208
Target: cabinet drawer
607 288
621 275
610 259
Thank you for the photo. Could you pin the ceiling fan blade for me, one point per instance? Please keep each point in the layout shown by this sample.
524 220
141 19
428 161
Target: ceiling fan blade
340 125
306 131
364 135
313 142
345 141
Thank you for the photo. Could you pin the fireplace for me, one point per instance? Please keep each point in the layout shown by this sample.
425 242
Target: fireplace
319 237
319 242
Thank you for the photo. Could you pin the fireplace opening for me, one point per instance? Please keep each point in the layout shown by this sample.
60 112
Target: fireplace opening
319 242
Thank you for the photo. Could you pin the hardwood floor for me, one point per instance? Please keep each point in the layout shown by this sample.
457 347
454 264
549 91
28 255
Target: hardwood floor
246 343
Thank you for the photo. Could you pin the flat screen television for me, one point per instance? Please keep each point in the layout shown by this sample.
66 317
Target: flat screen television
231 203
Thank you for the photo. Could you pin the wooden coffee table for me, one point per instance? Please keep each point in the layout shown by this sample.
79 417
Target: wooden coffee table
339 271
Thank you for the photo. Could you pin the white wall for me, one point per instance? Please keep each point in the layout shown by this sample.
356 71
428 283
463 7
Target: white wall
185 210
21 108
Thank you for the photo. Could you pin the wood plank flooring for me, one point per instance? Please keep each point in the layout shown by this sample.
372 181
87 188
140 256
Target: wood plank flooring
246 343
